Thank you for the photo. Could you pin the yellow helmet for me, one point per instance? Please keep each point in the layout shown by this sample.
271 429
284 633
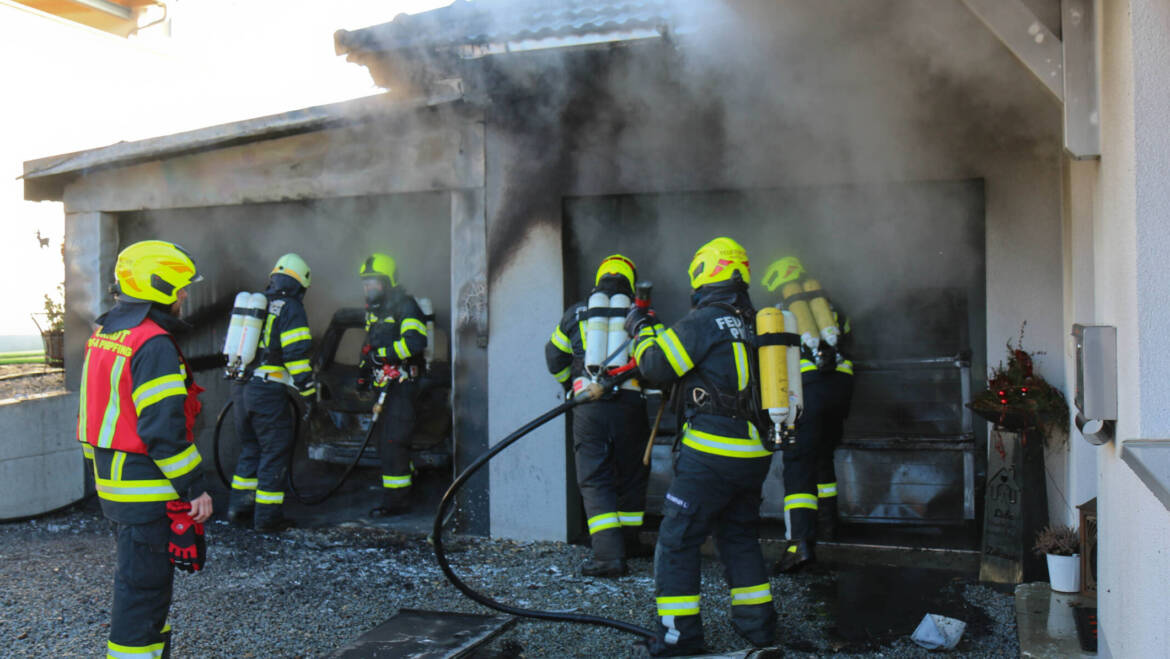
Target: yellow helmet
293 266
616 264
379 265
781 272
154 271
718 261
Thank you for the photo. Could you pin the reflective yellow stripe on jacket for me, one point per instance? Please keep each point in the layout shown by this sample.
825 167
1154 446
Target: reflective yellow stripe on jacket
730 447
561 341
181 463
157 389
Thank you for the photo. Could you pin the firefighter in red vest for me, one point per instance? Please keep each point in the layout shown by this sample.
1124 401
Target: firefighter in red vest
138 406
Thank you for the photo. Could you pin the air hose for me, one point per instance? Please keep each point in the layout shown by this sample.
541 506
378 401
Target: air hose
449 498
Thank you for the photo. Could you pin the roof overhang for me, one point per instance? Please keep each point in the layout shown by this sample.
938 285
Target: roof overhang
45 179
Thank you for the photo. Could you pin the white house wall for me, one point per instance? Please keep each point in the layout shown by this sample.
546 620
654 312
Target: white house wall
1129 280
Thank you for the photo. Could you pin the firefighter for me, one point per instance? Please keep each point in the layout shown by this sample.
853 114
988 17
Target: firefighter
263 419
392 361
138 406
810 480
721 463
608 435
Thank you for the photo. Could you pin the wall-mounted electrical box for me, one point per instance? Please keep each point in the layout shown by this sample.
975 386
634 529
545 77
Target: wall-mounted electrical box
1096 395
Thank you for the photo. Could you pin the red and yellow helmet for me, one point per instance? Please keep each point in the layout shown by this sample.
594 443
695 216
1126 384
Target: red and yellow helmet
718 261
782 271
616 264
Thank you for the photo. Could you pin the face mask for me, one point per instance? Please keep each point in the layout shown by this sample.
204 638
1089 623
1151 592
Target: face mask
372 288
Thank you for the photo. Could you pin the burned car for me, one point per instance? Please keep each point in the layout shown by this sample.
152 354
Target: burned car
340 427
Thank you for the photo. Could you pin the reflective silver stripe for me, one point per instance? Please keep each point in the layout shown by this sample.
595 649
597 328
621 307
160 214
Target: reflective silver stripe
604 521
741 364
241 483
732 447
826 490
630 518
158 389
394 482
82 419
678 605
152 651
181 463
563 374
793 501
294 335
151 490
751 595
113 407
674 352
412 324
560 340
263 496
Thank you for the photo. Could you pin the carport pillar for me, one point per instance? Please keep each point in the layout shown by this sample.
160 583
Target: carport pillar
469 357
91 247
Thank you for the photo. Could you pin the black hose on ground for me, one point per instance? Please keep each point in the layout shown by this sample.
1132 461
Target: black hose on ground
449 498
292 487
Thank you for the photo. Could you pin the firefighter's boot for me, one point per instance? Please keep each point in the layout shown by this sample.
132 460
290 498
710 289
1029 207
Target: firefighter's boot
798 554
606 569
827 519
635 548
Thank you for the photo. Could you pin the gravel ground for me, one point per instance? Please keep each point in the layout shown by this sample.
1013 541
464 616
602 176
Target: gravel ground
23 380
307 592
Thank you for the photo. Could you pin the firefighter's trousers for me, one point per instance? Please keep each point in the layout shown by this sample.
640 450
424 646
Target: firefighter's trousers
142 591
609 437
392 434
718 496
264 426
810 479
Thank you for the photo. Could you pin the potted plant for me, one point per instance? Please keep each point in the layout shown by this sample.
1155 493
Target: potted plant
1061 545
53 329
1017 398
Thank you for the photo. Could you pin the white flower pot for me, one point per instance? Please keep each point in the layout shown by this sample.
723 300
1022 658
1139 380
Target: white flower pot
1064 573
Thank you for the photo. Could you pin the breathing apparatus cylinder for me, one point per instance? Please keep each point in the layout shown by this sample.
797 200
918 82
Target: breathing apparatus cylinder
773 368
244 329
428 309
618 304
805 323
795 385
596 333
821 313
231 344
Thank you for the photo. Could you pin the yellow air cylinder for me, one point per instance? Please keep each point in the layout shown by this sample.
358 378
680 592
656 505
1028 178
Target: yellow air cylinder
795 385
821 314
805 323
773 366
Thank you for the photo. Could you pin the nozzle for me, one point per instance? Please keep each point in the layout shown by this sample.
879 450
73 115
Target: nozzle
642 293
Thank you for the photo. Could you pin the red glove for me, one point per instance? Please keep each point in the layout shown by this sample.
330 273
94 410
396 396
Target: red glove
187 547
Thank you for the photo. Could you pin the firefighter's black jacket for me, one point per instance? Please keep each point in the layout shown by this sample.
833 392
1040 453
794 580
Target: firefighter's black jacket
564 354
708 353
286 342
396 330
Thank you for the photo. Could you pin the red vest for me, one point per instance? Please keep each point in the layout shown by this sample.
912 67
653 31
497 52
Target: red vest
109 418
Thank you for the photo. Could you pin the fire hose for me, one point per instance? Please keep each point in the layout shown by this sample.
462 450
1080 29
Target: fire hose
592 392
389 373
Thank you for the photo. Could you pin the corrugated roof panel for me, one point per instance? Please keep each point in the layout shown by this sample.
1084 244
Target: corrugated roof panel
471 22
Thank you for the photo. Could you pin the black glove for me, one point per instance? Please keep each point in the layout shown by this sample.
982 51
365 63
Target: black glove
637 318
187 547
310 405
